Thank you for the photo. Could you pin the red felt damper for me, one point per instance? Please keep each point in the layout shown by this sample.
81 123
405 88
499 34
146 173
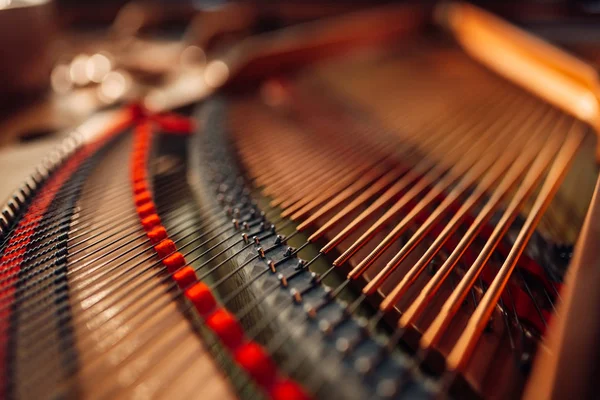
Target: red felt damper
143 129
138 165
257 363
141 144
139 176
136 110
174 262
140 187
226 327
150 222
286 389
142 198
140 152
175 124
165 248
138 156
185 277
145 210
202 298
156 234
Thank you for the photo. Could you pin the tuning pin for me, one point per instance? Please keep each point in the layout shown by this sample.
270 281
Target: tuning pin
347 311
386 388
283 280
311 311
525 362
271 265
296 295
564 251
342 345
325 327
302 265
363 325
363 365
315 278
279 239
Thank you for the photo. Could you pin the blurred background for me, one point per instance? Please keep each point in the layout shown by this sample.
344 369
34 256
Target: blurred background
64 60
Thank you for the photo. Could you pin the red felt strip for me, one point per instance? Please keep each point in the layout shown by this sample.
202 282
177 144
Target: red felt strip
248 354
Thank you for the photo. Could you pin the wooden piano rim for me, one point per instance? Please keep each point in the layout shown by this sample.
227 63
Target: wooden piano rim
569 365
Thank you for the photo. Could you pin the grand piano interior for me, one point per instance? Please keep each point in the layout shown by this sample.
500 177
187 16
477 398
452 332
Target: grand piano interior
298 200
